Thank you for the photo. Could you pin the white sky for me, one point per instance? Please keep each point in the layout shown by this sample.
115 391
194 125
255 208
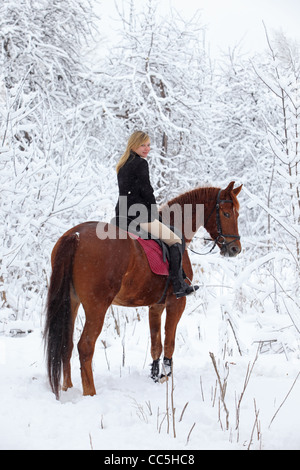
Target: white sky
230 22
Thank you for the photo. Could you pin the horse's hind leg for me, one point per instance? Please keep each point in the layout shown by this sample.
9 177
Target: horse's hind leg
67 382
92 329
155 312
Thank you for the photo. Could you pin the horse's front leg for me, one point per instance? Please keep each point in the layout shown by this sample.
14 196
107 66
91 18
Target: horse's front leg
175 308
155 312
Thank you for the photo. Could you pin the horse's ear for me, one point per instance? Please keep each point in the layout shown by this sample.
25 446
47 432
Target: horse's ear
229 187
237 191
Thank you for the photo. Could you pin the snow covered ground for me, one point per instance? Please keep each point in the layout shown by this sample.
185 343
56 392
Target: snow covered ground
131 412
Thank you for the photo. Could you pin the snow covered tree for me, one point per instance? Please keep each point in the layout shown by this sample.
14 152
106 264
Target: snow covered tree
280 74
40 57
156 81
238 136
239 129
43 136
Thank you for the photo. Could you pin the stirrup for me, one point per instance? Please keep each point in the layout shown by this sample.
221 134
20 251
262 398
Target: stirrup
186 291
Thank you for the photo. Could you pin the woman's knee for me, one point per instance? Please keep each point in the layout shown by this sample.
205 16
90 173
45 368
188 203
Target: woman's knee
174 240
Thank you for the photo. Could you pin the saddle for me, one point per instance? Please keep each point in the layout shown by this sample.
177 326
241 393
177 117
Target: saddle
157 253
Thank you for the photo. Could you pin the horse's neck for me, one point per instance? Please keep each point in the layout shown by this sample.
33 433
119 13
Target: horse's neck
189 211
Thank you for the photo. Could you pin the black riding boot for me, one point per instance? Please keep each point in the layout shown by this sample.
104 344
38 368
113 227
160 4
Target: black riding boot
180 287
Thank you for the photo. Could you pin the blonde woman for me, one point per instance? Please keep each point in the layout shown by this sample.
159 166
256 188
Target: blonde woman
136 196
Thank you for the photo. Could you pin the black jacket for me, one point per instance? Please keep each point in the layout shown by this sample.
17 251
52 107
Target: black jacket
134 183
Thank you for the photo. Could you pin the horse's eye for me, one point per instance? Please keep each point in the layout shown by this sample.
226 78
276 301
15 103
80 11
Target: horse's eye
227 215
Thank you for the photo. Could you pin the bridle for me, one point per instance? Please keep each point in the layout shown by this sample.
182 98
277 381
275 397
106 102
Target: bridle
221 238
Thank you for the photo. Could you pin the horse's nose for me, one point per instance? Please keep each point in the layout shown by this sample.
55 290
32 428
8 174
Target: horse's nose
234 250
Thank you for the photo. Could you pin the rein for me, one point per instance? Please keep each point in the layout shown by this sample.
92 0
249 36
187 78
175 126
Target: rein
221 238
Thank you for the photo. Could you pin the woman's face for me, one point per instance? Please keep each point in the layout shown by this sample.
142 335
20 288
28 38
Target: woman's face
143 149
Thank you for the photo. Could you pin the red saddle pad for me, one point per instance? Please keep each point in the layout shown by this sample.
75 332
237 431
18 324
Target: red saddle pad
154 255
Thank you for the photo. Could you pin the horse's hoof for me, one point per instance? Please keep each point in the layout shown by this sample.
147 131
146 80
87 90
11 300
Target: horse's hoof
163 379
155 370
166 370
167 367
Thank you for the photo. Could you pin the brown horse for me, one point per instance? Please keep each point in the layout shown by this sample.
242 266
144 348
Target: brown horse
98 272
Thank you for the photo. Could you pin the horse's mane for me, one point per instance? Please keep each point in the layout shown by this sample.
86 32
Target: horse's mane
199 195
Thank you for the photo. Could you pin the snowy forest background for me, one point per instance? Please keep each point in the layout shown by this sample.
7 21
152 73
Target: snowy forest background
69 99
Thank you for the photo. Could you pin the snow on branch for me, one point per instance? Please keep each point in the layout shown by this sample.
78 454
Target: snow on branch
293 231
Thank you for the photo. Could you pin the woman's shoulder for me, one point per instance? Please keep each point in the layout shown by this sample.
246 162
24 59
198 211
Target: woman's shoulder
129 163
137 161
134 164
136 157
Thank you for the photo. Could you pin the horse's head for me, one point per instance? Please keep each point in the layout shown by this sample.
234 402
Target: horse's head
222 223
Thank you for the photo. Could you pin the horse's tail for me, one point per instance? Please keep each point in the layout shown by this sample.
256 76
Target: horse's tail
58 329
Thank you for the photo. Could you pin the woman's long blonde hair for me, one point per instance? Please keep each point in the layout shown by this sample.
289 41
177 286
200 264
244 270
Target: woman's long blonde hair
135 140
